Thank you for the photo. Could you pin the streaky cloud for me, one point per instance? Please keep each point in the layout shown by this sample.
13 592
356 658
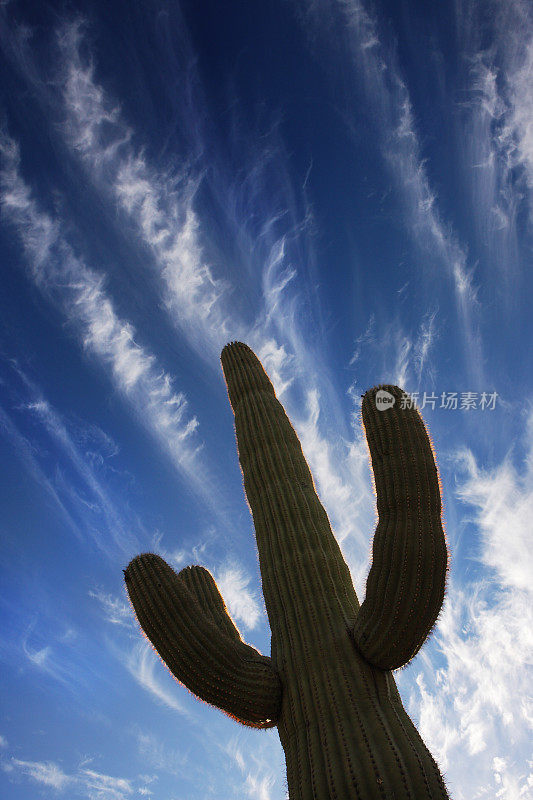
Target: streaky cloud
259 772
25 452
105 523
496 140
141 663
44 772
233 583
115 525
160 756
115 610
376 71
425 341
82 783
80 293
161 206
48 658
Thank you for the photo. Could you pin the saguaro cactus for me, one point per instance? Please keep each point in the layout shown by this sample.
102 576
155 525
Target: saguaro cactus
328 684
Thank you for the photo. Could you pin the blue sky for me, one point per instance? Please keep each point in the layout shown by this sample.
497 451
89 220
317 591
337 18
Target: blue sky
348 188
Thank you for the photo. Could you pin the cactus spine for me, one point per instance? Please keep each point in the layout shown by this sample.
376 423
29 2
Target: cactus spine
328 685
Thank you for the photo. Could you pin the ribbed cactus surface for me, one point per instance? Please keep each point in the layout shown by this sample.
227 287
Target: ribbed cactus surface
328 685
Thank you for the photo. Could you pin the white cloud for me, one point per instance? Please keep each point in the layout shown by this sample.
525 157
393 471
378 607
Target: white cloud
161 206
401 356
143 663
38 657
104 787
56 427
115 610
503 501
426 224
3 741
368 337
135 372
85 783
240 600
257 764
495 140
259 786
424 343
387 99
45 772
161 756
340 468
509 785
26 452
495 137
521 88
276 362
234 750
47 658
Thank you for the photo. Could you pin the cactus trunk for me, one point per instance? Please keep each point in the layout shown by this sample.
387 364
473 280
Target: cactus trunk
328 684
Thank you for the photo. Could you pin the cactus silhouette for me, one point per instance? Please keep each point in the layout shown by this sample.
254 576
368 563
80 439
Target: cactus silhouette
328 684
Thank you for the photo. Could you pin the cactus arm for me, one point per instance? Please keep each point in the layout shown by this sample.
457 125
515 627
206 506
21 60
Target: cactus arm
184 618
201 584
304 576
406 583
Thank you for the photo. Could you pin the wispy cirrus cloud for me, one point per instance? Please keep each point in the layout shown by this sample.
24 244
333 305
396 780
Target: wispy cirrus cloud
160 206
44 772
487 149
143 663
389 106
116 527
99 785
160 756
43 659
115 610
77 480
403 357
257 765
81 295
83 783
506 91
257 205
241 601
25 451
522 109
43 647
426 338
496 143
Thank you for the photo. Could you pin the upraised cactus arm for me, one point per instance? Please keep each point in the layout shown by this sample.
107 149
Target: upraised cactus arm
406 584
184 617
305 579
